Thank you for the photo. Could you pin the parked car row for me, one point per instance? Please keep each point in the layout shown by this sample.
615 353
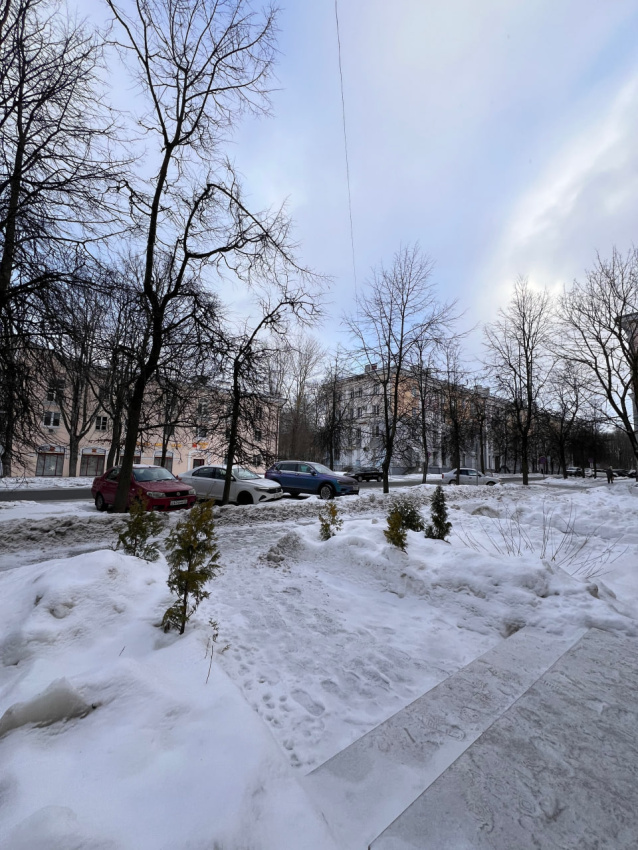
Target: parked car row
163 491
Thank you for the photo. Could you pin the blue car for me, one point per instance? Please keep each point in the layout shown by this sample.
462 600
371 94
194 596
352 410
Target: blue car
297 476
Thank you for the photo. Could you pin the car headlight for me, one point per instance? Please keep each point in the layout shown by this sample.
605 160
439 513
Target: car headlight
261 487
191 492
155 494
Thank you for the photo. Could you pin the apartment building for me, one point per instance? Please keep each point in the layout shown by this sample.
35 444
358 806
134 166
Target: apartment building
197 437
362 398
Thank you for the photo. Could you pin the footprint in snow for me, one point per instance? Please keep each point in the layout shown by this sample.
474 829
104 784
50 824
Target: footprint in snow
306 701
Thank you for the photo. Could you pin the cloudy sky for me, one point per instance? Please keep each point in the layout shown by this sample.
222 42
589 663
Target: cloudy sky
500 134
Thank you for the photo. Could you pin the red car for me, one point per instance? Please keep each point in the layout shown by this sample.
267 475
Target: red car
160 488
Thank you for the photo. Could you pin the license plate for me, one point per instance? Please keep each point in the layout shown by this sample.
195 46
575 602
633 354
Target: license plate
179 502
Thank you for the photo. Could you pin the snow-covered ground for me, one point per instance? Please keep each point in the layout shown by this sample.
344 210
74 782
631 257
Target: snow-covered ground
43 483
114 735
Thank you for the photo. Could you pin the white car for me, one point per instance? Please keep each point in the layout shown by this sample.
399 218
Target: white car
469 476
247 488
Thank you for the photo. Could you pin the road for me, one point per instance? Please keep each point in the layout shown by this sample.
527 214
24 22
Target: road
70 494
53 494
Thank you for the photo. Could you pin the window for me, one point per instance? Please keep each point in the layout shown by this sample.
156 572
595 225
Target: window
51 419
256 460
360 393
168 463
54 390
91 465
377 431
351 393
49 465
198 461
101 423
258 434
414 411
375 389
202 408
305 468
376 409
259 412
201 432
287 466
359 412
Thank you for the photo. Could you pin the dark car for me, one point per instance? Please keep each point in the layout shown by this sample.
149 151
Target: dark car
298 476
156 485
621 473
368 473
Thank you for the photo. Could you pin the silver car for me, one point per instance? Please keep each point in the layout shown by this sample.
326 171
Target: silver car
246 488
469 476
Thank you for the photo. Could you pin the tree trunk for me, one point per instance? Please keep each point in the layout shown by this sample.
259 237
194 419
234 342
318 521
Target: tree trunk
563 463
126 469
116 438
482 445
524 460
74 450
232 444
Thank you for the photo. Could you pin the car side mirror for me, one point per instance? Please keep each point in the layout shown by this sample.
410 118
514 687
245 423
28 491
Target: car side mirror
314 472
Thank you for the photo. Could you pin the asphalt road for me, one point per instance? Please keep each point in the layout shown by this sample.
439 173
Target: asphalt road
54 494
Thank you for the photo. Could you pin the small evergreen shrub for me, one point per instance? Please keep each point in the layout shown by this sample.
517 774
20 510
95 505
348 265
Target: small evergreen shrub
396 533
409 511
439 528
329 521
141 524
192 557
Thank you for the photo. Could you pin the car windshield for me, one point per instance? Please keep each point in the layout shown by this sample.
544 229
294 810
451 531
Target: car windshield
321 468
244 474
154 473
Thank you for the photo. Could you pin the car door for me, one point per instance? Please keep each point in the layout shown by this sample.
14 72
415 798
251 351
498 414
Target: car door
201 481
473 476
109 485
287 475
464 476
307 478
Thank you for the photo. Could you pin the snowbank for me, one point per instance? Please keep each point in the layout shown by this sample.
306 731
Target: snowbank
164 759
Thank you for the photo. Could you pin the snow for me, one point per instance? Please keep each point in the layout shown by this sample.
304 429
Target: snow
44 483
115 735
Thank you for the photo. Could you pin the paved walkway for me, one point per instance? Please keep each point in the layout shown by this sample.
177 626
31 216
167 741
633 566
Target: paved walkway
533 745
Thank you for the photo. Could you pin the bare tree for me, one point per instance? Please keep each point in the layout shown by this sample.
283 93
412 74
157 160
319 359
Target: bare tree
199 66
459 424
391 315
302 358
72 324
564 406
518 358
332 421
600 317
55 169
250 358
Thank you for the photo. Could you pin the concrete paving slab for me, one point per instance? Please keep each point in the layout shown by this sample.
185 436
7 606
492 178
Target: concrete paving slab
559 769
374 779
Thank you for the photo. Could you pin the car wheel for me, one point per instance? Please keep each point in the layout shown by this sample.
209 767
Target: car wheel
491 483
100 504
358 478
325 492
244 499
453 481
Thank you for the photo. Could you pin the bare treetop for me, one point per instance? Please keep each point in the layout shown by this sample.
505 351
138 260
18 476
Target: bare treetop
203 62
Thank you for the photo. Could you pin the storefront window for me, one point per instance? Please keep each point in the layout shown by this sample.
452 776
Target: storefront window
49 465
91 465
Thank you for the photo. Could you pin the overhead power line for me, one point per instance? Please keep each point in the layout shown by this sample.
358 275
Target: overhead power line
345 145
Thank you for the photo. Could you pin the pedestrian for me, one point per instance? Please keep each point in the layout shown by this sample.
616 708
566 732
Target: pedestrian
610 475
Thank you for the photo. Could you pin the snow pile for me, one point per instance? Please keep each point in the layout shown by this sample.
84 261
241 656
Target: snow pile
138 751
